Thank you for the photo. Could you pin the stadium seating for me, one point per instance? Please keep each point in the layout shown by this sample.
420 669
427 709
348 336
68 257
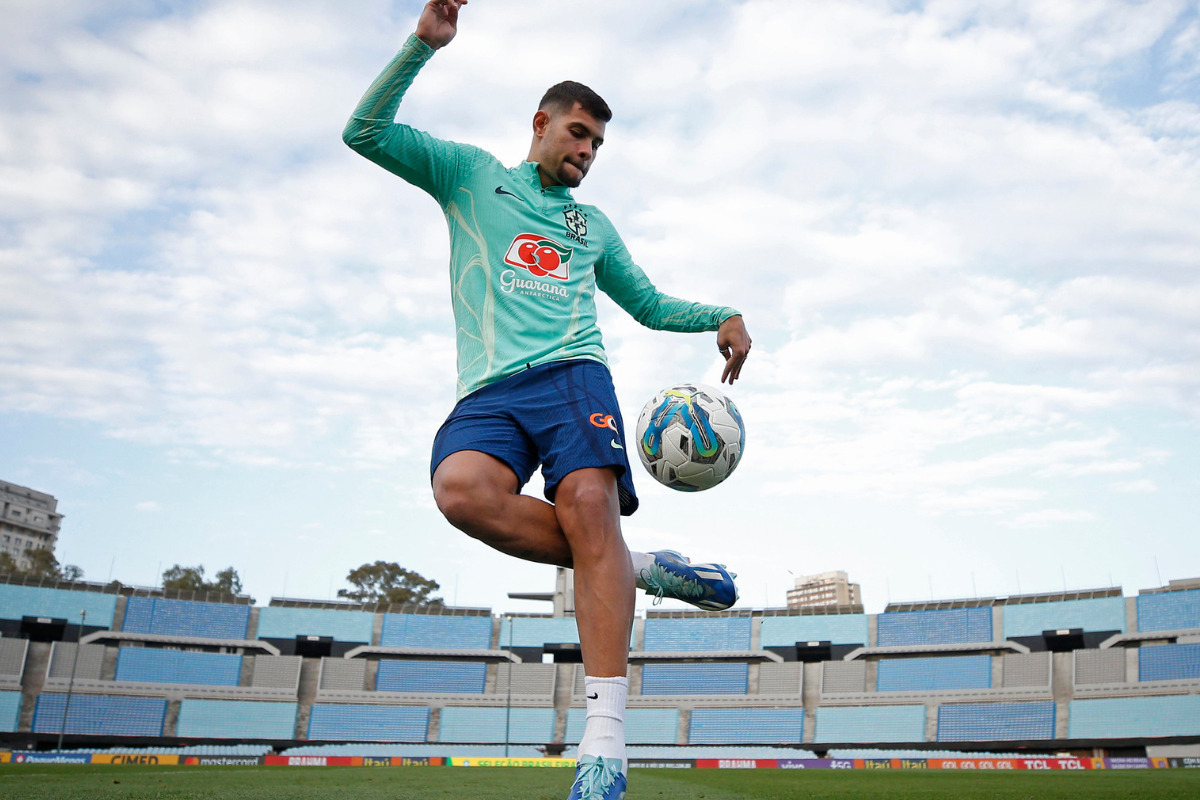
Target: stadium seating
434 631
146 665
937 674
87 666
1108 718
437 677
746 725
282 622
237 719
939 626
870 724
843 677
785 631
526 680
699 679
10 711
692 634
537 631
342 674
947 678
159 615
1031 670
1169 662
97 714
964 722
473 724
1168 611
12 662
367 723
1095 614
1099 666
781 679
38 601
642 725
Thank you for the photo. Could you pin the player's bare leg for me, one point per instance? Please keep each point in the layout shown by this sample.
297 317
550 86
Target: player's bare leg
479 495
587 507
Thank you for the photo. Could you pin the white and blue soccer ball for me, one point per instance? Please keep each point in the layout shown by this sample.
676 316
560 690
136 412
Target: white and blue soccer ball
690 437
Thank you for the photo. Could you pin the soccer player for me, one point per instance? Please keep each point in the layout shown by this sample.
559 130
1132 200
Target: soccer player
533 384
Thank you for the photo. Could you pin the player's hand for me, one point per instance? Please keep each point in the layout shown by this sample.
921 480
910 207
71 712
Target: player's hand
439 22
734 343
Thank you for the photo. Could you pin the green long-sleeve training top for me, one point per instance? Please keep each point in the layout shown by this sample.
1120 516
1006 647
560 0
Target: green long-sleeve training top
525 261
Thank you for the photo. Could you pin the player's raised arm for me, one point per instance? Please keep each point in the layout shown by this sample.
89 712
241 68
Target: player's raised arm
438 22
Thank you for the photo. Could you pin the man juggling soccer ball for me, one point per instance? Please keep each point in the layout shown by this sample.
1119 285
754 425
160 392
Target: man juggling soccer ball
533 382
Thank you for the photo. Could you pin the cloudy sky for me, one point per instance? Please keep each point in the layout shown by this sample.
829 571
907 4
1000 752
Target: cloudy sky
965 237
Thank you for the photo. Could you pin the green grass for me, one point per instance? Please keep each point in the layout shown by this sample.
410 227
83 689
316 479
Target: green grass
129 782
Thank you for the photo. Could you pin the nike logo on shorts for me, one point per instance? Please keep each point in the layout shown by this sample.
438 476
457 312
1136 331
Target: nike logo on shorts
616 445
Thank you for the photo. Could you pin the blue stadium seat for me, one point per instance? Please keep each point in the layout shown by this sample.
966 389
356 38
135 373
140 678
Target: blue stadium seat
870 724
642 725
962 722
537 631
10 711
746 725
938 626
1168 611
147 665
939 674
833 628
695 679
434 631
363 723
398 675
38 601
159 615
694 634
97 714
1096 614
237 719
472 724
1169 662
1117 717
280 622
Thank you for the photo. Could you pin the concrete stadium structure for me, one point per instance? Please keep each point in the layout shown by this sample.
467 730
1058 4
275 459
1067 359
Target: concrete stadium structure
1084 672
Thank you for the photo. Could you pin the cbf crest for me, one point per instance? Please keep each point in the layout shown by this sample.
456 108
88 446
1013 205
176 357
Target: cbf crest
576 222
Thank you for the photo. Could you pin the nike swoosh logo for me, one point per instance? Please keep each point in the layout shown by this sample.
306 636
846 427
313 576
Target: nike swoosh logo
593 696
616 445
502 190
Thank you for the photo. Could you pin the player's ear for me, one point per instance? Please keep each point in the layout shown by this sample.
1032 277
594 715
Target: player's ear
541 120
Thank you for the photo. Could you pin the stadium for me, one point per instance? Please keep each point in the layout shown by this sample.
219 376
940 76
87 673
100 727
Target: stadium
1070 680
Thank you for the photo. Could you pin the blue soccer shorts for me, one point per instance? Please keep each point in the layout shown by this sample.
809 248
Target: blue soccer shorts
562 415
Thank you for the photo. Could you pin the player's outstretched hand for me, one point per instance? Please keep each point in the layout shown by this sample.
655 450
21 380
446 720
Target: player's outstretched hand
439 22
734 343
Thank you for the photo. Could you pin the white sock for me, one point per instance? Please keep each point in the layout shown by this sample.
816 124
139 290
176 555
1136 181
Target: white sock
605 731
641 561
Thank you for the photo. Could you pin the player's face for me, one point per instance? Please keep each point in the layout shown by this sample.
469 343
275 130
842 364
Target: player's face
565 145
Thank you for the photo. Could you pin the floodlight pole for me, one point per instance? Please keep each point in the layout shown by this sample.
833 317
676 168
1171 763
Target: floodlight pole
71 684
508 698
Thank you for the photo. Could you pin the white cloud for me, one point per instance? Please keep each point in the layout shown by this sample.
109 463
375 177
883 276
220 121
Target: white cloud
966 256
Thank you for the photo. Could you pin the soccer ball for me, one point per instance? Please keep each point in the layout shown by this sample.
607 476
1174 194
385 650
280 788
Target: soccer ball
690 437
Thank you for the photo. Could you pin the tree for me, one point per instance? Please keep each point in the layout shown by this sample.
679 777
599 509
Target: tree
191 579
42 564
388 582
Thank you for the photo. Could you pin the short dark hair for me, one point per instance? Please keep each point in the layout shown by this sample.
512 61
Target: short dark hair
563 96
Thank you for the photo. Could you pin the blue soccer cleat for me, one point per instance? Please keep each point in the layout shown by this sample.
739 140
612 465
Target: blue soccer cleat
598 778
706 586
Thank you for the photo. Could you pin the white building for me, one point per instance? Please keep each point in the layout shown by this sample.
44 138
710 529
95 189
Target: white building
28 521
824 589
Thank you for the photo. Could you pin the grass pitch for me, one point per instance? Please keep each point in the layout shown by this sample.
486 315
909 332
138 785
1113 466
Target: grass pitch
130 782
